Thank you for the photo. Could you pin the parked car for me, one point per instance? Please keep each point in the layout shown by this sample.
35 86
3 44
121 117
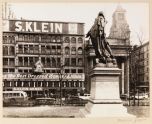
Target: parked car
85 97
142 96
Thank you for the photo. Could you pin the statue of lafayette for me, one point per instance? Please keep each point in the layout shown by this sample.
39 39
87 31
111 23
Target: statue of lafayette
98 39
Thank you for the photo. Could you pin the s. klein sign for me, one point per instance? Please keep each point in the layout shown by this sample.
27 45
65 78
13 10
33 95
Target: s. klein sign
46 27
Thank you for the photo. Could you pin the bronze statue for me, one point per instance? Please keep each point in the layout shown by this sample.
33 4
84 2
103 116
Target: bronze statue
98 38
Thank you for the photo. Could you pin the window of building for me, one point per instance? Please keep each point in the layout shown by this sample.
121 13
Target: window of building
80 61
48 62
43 49
58 61
58 49
53 50
66 40
80 40
36 59
5 70
43 61
5 61
67 50
53 71
20 37
26 37
20 61
53 62
80 70
11 39
67 61
5 50
25 61
20 48
20 70
53 39
4 39
31 49
58 39
67 71
47 71
48 49
73 50
73 40
26 49
36 49
11 62
73 70
36 38
73 61
31 61
25 71
80 50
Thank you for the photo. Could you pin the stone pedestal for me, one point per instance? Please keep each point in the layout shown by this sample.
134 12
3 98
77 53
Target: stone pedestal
105 97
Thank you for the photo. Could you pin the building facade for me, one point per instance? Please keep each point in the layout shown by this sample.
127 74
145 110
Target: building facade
139 68
30 46
119 40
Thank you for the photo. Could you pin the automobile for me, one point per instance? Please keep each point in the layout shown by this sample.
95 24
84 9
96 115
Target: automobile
126 97
45 101
142 96
75 100
85 97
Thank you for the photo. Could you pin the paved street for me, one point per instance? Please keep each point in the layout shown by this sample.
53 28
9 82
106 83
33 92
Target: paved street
61 112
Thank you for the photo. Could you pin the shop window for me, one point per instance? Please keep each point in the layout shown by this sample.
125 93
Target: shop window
73 50
66 40
36 59
73 61
11 70
59 61
26 37
80 40
53 71
80 50
73 40
67 50
47 71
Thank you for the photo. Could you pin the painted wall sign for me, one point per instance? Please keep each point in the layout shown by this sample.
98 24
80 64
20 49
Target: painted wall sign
28 88
46 27
44 76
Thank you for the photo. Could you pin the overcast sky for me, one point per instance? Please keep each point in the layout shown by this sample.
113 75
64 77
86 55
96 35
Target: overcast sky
137 14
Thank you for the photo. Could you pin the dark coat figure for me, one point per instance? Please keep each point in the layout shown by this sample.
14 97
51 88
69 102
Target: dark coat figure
97 35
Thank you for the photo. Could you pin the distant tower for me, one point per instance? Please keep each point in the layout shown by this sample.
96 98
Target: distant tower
120 28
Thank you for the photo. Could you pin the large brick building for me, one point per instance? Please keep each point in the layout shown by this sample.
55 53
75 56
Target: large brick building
51 44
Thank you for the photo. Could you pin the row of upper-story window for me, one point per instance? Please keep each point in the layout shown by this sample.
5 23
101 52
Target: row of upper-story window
7 70
46 61
41 38
42 84
43 49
